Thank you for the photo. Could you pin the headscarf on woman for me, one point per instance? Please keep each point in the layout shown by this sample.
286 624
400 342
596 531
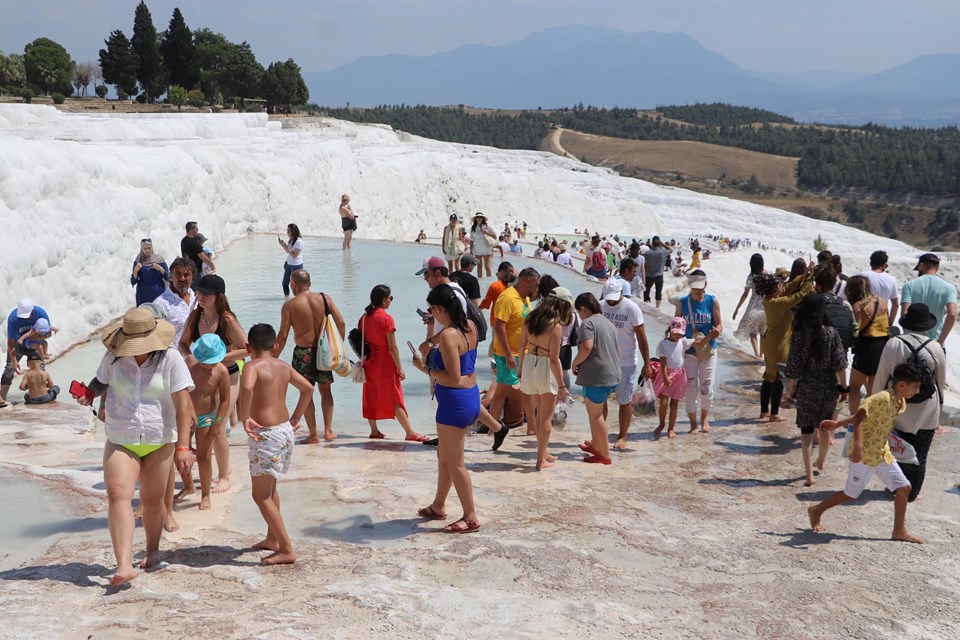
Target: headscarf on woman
152 259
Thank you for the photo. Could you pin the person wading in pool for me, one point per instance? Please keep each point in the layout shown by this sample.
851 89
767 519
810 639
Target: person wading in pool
305 312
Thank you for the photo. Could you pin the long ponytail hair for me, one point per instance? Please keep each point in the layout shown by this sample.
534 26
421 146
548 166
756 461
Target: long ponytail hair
377 295
444 296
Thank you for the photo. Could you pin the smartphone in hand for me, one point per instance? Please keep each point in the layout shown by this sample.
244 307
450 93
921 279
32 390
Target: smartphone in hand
78 389
423 314
413 350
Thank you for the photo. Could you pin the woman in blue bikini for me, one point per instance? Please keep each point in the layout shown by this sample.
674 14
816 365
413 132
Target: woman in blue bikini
458 405
141 426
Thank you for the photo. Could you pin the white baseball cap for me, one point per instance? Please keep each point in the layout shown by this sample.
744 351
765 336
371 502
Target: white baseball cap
24 307
612 290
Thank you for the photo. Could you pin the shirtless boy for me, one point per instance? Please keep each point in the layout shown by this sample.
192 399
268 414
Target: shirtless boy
870 454
37 383
211 402
305 312
263 413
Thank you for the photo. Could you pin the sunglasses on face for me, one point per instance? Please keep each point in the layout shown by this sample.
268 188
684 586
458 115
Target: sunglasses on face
145 240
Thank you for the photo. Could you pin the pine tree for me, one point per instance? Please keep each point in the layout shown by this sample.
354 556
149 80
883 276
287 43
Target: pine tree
144 42
119 63
179 53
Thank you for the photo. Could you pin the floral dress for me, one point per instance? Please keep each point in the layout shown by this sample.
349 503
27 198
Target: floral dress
816 372
754 320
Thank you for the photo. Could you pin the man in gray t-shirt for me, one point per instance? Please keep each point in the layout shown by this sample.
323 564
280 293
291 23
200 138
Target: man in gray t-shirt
654 261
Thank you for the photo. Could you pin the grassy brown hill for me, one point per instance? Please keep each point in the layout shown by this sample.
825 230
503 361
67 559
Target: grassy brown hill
755 177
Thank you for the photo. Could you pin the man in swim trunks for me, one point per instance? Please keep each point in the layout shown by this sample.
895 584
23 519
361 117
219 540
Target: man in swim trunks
304 312
511 307
211 402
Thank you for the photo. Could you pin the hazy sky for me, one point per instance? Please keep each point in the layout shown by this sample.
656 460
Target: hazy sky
761 35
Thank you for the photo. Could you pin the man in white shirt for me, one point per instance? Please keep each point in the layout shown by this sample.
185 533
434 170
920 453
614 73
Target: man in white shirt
178 300
564 258
627 318
882 284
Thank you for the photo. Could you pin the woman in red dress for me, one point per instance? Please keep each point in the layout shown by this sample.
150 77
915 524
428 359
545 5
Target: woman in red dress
382 393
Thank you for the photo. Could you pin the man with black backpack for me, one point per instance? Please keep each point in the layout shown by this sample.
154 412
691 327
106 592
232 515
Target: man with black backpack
836 311
918 423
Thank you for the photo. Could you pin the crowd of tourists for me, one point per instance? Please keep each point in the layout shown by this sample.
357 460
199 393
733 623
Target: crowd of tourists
183 337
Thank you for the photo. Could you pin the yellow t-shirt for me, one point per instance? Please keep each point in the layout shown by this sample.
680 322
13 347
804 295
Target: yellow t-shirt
510 309
882 410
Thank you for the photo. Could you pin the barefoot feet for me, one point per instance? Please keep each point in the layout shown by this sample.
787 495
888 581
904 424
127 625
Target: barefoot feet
151 559
905 536
671 434
621 443
705 426
170 523
776 418
204 503
815 519
280 558
657 432
311 440
123 575
222 486
184 493
267 545
329 436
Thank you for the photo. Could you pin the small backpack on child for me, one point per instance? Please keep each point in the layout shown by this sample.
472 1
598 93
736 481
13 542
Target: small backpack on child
928 382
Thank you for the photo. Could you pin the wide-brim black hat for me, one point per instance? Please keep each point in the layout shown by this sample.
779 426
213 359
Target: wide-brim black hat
918 318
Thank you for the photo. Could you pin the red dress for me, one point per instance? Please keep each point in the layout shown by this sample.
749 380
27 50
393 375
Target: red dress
382 391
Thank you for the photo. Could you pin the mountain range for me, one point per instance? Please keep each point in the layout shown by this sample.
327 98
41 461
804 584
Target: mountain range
606 67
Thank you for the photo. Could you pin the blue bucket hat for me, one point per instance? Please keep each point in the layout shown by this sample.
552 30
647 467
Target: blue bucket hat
209 349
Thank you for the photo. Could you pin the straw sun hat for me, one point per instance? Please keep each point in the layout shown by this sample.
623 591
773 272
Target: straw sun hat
137 334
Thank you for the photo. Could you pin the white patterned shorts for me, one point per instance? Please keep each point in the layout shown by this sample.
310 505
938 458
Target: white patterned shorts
271 454
859 475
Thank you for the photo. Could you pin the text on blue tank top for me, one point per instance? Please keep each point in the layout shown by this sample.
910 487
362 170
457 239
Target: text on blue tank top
700 313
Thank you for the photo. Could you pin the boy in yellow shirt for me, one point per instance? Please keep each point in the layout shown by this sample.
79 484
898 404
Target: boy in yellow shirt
870 454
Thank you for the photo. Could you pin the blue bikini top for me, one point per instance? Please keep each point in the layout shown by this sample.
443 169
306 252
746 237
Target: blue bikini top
468 361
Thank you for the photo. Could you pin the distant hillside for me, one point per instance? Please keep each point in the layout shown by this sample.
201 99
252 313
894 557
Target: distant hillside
565 65
607 67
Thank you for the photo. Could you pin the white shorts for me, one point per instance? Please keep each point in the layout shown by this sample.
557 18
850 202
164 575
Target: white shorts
859 474
628 384
271 454
537 376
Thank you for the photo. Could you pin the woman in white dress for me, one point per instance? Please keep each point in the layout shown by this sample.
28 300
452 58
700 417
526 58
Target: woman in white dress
482 238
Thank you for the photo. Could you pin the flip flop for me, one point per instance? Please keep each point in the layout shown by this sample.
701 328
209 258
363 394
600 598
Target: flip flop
468 526
432 443
428 513
589 448
597 459
377 436
416 437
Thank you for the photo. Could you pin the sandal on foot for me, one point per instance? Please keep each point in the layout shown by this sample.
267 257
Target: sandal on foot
416 437
589 448
500 436
379 435
598 459
462 526
429 513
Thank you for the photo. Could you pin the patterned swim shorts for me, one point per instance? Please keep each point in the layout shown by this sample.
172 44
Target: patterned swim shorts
271 454
303 364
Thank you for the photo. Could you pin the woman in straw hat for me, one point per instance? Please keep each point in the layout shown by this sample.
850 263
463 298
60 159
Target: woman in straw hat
148 409
482 239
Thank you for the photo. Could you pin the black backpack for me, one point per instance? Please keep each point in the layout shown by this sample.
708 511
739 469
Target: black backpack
476 316
837 315
928 381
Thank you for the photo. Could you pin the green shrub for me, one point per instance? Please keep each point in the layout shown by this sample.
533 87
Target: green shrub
58 98
27 95
101 90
